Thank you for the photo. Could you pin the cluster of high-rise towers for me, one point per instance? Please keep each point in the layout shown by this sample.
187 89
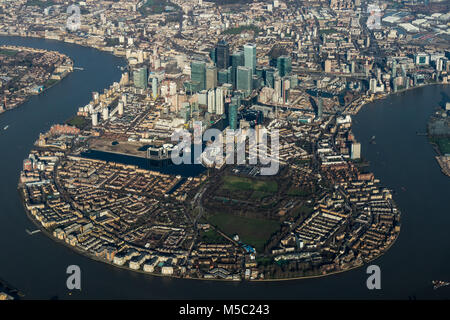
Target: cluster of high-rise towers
233 76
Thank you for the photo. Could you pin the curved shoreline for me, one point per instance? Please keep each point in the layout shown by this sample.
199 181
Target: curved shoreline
29 96
388 95
123 267
93 257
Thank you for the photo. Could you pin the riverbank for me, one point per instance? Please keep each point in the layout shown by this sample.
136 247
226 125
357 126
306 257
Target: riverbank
383 96
109 50
438 132
60 72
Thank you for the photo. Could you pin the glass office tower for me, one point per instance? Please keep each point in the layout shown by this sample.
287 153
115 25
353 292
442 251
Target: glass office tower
222 55
140 78
244 79
284 65
198 75
232 115
250 56
237 60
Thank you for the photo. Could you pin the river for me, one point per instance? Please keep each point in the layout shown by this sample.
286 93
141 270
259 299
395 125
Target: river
37 265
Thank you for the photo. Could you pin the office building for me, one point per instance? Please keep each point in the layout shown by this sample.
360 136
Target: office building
232 116
269 77
220 97
155 87
244 79
212 55
229 75
140 77
284 65
394 69
222 55
250 57
105 113
198 75
237 60
211 101
202 97
120 106
373 85
222 76
95 119
211 77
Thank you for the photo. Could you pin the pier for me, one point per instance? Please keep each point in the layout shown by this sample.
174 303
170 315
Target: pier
32 232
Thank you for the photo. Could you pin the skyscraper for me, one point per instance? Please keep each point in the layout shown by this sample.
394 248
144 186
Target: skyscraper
237 60
140 77
269 77
256 82
222 76
222 55
250 56
211 101
212 55
373 85
284 65
220 101
229 75
232 116
286 85
155 87
394 68
277 85
211 77
244 79
198 75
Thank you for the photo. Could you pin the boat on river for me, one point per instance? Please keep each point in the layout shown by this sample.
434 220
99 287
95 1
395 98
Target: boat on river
439 283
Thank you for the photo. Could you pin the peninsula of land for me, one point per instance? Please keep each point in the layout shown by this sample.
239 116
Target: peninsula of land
28 71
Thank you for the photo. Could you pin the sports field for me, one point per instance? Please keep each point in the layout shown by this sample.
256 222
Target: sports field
252 231
234 183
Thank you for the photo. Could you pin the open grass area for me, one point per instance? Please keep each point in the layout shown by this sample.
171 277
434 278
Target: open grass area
241 29
300 192
156 7
50 82
77 121
259 195
255 232
303 211
211 236
234 183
